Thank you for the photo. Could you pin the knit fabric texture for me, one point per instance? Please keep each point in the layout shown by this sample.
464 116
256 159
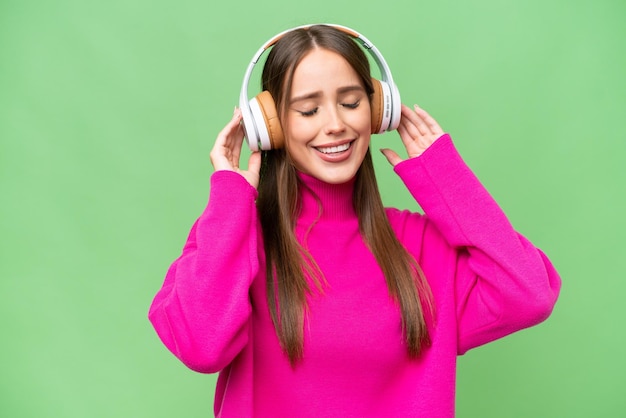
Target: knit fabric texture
487 281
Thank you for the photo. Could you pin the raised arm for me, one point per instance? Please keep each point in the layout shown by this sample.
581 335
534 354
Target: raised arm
202 311
503 283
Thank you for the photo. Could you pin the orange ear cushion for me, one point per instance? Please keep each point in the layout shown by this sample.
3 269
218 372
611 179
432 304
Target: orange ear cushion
377 106
268 108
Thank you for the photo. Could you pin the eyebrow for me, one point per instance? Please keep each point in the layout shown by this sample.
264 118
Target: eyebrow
317 94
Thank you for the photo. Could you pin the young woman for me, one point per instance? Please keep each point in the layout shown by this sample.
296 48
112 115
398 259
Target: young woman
307 295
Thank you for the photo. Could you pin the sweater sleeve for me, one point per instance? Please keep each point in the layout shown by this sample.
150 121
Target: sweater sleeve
202 311
502 282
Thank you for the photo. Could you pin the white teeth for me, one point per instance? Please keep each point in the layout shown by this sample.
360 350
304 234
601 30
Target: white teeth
331 150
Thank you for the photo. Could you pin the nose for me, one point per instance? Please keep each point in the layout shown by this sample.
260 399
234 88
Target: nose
334 123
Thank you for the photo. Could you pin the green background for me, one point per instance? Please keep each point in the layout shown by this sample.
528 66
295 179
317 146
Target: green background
108 111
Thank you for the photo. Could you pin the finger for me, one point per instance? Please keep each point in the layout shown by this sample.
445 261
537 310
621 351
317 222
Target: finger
412 118
224 136
236 141
430 122
414 145
391 156
254 162
225 152
234 130
409 135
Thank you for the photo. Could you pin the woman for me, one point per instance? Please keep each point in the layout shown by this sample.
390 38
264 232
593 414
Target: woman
311 299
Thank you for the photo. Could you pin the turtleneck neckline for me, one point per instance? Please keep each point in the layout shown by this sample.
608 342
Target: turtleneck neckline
335 199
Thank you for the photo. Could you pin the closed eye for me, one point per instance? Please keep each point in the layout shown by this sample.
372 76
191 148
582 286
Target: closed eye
309 112
352 105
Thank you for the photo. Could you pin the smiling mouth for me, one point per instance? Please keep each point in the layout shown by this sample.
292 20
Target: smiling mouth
334 150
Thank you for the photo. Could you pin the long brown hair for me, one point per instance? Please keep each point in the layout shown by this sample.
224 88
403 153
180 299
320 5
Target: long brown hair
287 262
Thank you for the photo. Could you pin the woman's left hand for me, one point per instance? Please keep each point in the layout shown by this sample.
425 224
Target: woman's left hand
418 130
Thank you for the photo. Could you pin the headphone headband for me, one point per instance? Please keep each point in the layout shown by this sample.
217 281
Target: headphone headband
257 136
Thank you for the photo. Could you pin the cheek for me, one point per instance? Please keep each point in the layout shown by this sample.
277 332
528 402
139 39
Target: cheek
363 120
299 131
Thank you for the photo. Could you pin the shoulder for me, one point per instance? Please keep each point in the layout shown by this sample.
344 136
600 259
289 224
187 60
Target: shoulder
408 226
418 234
402 219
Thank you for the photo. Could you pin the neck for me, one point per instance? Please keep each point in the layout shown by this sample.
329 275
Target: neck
324 200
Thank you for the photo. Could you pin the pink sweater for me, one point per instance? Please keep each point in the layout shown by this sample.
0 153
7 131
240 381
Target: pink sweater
487 280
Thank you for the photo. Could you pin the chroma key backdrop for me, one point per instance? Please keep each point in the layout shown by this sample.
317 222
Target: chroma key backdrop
108 111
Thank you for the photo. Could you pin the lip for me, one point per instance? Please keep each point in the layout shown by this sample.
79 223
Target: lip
338 156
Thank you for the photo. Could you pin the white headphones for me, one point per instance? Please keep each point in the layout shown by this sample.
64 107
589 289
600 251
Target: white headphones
260 116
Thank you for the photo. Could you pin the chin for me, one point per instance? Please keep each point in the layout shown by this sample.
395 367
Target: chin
339 177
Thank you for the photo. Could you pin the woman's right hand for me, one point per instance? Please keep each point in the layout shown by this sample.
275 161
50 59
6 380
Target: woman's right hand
227 151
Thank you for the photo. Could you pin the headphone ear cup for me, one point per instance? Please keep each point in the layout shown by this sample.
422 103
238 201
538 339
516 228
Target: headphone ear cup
381 105
377 106
266 120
